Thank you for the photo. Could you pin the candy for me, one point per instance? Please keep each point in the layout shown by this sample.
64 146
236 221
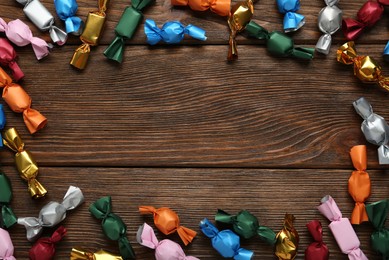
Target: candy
226 242
287 240
90 37
278 43
6 246
3 121
25 163
378 212
317 250
329 22
66 10
78 254
292 20
341 228
20 34
374 127
221 7
113 226
172 32
240 15
359 184
44 248
167 221
52 213
7 217
366 69
125 29
246 225
165 249
8 58
43 19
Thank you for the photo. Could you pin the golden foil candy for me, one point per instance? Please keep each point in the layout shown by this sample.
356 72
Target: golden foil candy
287 240
366 69
90 37
78 254
25 163
240 15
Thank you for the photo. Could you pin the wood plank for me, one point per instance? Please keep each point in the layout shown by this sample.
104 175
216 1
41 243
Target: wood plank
194 194
185 106
217 30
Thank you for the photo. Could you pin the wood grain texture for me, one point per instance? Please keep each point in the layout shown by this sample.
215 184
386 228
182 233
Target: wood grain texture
194 194
185 106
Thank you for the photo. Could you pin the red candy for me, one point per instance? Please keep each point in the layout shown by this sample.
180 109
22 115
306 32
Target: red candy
8 57
44 248
317 250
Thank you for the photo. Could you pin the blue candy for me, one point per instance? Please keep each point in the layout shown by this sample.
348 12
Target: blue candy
2 124
66 10
172 32
226 242
292 20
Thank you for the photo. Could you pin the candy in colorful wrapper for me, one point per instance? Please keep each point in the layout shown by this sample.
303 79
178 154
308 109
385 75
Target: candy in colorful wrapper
240 15
168 222
278 43
246 225
8 59
19 101
317 250
292 20
43 19
329 22
25 163
220 7
369 14
20 34
172 32
374 127
44 247
366 69
7 217
6 246
66 10
79 254
90 36
113 226
287 240
226 242
165 249
125 28
341 228
52 213
378 212
3 121
359 184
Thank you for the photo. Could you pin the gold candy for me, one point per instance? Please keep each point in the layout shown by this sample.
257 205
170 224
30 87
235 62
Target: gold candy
366 68
240 15
90 37
78 254
287 240
25 164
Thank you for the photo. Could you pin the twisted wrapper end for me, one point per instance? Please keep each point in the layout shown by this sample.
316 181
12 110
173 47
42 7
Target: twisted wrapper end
81 56
36 189
293 21
57 35
186 234
34 120
115 50
346 53
324 43
352 29
74 25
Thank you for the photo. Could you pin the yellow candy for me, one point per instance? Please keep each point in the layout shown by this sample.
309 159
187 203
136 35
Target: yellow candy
78 254
287 240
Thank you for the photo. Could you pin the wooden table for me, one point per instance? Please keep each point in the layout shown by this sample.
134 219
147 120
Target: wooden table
178 126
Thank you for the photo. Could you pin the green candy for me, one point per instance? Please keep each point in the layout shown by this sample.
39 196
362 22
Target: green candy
7 217
113 226
279 43
377 213
246 225
125 29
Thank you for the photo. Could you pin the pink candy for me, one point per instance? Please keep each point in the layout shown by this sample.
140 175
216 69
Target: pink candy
6 246
20 34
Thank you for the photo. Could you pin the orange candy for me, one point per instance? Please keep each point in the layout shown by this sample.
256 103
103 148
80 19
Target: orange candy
19 101
167 221
359 184
220 7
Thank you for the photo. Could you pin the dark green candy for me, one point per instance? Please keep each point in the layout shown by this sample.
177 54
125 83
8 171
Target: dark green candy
113 226
279 43
246 225
378 212
125 29
7 217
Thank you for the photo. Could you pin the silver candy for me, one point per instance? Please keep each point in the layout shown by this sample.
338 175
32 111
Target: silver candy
43 19
52 213
375 128
329 21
